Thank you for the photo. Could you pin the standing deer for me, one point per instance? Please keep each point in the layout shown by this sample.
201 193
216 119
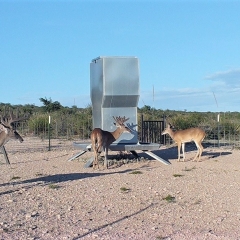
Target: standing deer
8 131
183 136
102 139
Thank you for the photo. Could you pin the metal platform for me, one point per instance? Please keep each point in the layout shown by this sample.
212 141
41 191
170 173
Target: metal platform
145 147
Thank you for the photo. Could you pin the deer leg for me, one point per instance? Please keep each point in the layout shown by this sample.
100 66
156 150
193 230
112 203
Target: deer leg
198 152
106 158
94 154
183 151
98 152
196 155
179 153
97 157
95 162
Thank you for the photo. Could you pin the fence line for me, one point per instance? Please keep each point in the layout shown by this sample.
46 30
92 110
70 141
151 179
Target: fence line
64 131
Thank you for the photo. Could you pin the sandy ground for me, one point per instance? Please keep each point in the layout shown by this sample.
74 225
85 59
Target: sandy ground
45 196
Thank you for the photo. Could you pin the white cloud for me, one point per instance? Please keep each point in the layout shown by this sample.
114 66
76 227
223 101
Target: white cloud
229 78
195 99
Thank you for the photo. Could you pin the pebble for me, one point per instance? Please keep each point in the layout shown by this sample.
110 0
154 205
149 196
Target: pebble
70 208
28 215
34 214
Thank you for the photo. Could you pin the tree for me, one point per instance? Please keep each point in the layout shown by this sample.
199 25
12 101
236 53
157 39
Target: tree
49 105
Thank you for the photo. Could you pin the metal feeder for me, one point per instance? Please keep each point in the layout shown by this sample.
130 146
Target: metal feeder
114 90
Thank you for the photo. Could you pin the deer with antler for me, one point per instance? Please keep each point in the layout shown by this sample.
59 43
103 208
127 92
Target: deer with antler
8 130
102 139
188 135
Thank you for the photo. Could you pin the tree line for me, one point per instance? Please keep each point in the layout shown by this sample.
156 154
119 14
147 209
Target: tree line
72 121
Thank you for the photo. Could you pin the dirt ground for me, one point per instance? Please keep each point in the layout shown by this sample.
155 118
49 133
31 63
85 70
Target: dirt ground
45 196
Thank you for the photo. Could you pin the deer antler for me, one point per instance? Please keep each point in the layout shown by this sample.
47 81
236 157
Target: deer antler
7 122
120 120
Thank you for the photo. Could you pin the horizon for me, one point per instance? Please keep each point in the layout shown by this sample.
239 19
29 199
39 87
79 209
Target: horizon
152 108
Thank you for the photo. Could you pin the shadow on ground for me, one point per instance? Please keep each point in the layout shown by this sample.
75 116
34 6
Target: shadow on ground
171 153
59 178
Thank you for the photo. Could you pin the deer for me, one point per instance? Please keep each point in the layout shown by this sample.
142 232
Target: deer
8 130
188 135
101 140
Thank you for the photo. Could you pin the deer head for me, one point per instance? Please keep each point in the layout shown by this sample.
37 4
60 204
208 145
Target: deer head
119 122
8 129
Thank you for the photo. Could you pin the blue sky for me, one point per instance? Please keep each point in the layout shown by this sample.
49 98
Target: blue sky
188 51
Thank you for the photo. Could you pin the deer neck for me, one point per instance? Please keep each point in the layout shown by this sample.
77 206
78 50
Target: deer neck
3 138
171 133
117 133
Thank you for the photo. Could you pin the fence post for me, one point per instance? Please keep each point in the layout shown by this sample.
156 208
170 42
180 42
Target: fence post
142 128
218 119
164 125
49 122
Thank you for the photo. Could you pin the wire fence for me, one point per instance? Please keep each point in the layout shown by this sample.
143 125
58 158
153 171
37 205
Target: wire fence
62 132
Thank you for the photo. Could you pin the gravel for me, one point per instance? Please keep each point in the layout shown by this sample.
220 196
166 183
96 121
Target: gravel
45 196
